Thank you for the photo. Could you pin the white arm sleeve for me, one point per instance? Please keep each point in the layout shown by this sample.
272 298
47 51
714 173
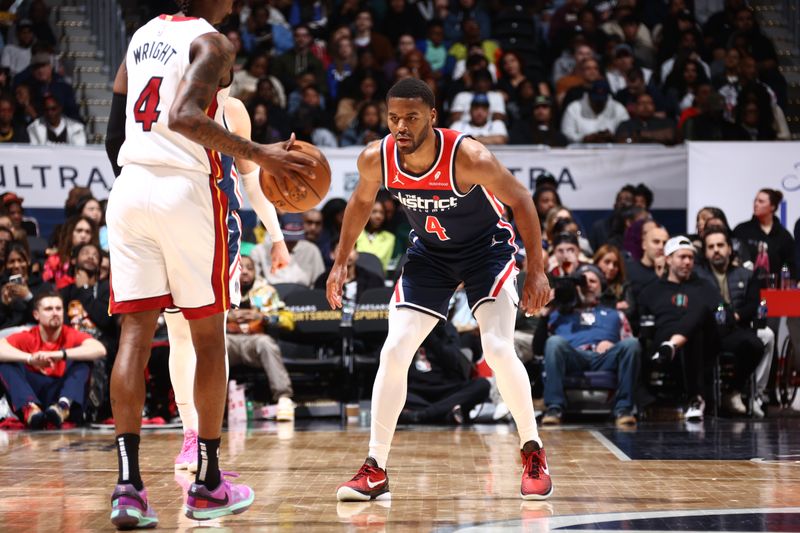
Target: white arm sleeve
263 207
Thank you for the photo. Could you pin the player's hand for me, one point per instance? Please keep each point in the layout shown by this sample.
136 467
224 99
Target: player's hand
285 163
333 289
279 256
535 293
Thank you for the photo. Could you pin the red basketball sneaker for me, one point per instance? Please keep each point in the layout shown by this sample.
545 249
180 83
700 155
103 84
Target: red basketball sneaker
536 483
369 483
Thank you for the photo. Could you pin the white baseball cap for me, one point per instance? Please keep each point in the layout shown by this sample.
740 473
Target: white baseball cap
681 242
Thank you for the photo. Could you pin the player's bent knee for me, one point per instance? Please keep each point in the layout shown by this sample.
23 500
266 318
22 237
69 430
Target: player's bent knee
496 348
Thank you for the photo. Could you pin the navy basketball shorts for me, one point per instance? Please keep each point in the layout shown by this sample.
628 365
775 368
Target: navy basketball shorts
432 274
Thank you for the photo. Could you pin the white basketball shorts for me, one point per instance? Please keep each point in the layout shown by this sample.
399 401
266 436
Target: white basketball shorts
167 234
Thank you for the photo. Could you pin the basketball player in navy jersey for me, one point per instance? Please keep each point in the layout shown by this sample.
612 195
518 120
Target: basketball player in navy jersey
451 188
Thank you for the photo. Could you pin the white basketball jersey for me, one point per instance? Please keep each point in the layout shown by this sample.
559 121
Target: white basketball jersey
157 58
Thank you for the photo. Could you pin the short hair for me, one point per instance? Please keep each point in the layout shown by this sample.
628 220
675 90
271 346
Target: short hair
412 88
49 293
717 230
645 192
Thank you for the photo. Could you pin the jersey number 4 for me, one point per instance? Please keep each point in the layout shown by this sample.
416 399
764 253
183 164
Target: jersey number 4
432 225
145 110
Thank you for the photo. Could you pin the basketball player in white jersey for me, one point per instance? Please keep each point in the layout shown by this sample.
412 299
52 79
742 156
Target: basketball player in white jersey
182 359
449 185
168 235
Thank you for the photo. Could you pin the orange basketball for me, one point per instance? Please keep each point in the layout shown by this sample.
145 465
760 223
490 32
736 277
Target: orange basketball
299 200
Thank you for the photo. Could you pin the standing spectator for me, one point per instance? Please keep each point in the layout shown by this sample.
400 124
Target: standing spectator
644 126
53 128
19 288
305 263
47 365
75 232
593 118
17 57
539 128
9 131
763 235
45 83
374 239
366 128
299 60
365 37
478 124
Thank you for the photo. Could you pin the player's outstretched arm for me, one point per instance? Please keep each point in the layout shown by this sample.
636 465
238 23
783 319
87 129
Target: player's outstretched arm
212 55
239 123
475 164
356 216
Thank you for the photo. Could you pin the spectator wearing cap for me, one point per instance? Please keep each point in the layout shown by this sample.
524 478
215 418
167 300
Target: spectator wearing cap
10 132
13 207
585 334
54 128
375 239
635 86
17 57
682 307
305 260
481 84
595 117
623 64
43 82
478 124
644 126
539 129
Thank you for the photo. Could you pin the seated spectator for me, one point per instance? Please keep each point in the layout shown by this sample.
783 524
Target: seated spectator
739 292
24 111
559 220
312 229
93 210
584 334
77 231
748 37
298 96
43 82
589 70
710 124
435 49
440 387
471 36
683 82
682 308
481 84
248 344
565 255
755 120
20 286
688 49
414 62
273 95
365 37
609 260
594 117
349 104
567 70
39 13
545 197
15 211
374 239
636 87
343 63
358 279
512 74
752 88
617 73
402 19
48 365
540 127
305 263
53 128
17 57
478 124
644 126
700 101
366 128
643 272
405 45
261 118
245 81
637 37
299 60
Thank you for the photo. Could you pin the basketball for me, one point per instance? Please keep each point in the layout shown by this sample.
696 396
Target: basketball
300 200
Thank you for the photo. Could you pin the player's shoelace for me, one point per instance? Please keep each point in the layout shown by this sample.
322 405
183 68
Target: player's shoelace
532 462
365 470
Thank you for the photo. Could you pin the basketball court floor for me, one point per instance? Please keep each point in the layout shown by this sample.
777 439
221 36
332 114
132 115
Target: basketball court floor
723 475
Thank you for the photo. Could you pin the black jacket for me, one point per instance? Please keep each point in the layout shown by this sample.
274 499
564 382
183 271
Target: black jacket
364 280
743 288
20 312
780 244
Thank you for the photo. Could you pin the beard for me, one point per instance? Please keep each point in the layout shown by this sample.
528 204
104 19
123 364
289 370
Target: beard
414 143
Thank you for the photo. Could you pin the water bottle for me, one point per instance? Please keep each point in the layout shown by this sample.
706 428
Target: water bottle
786 282
761 316
721 315
348 307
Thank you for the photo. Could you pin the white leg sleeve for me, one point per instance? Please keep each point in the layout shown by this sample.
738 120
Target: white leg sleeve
407 330
762 370
182 361
496 323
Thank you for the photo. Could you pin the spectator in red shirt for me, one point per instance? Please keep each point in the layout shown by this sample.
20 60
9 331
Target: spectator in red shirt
48 364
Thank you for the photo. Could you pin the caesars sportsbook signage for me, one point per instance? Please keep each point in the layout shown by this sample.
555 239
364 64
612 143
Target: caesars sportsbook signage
588 177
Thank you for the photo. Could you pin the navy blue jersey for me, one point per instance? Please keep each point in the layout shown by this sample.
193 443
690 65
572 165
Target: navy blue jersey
440 215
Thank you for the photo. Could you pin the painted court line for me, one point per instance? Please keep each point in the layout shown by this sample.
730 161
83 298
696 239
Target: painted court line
619 454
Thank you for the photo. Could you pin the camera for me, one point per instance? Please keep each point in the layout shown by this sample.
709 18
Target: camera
566 297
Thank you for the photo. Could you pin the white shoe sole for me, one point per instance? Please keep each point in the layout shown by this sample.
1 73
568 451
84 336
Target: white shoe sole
346 494
537 497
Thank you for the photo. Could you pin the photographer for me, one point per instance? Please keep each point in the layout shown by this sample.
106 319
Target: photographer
739 289
583 333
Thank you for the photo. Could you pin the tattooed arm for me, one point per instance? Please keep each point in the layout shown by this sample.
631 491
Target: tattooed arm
212 56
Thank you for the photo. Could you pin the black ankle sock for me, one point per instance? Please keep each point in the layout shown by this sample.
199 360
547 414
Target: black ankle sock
128 460
208 463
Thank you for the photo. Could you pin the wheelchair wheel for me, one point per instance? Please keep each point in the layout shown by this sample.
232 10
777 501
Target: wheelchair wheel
787 378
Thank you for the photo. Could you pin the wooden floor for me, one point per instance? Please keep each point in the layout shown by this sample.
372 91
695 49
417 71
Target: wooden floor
442 479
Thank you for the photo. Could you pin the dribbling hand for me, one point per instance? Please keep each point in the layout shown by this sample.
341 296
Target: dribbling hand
279 256
535 293
335 284
285 163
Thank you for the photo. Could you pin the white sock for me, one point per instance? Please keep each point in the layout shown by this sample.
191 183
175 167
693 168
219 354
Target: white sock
182 362
407 330
496 322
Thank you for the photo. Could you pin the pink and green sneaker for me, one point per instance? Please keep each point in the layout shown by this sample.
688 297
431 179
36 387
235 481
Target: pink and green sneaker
229 498
130 510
